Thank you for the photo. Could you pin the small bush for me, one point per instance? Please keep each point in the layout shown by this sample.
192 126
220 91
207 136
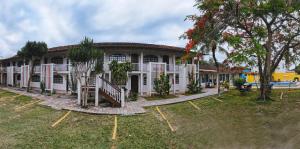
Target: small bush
193 86
162 85
133 96
225 84
239 82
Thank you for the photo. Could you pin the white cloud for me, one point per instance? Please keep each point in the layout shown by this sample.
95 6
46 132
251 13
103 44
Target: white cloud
62 22
131 14
54 23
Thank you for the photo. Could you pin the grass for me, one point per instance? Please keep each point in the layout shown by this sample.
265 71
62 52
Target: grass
157 97
237 122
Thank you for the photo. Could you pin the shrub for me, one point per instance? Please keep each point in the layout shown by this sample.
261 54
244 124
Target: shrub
119 72
162 85
133 96
239 82
225 84
193 86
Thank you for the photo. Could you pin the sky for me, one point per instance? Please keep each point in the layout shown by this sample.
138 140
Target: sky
64 22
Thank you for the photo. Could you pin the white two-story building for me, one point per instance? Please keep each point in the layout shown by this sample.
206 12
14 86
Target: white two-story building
148 61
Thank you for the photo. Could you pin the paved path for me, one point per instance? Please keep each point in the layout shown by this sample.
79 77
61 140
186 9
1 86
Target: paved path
131 108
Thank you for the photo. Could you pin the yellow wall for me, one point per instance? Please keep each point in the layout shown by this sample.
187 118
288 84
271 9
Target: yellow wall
285 76
282 76
252 78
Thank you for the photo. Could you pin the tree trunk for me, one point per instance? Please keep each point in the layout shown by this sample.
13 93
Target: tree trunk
85 92
217 65
31 67
265 84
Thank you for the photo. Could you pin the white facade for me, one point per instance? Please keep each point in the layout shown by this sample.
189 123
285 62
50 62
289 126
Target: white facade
148 64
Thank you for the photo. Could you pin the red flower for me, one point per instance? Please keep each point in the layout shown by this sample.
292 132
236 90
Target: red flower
190 45
202 21
189 33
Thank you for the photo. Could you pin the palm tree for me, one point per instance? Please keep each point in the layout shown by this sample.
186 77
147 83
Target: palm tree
213 45
32 51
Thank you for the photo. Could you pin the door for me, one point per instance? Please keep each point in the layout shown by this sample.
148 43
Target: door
135 62
166 60
135 84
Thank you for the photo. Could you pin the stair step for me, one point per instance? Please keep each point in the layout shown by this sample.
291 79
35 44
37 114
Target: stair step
110 99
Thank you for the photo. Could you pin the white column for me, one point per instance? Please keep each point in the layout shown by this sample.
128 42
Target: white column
52 77
97 90
174 74
109 76
78 92
149 79
122 97
142 74
69 74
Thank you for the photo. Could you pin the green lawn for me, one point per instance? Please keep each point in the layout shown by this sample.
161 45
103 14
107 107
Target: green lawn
237 122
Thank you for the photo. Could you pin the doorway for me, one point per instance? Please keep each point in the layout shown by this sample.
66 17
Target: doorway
134 84
166 59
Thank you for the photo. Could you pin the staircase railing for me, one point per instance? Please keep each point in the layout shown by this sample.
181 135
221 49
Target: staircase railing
113 91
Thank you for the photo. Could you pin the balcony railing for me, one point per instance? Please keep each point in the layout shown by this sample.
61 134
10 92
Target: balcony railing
2 69
61 67
17 69
172 68
37 69
145 67
135 67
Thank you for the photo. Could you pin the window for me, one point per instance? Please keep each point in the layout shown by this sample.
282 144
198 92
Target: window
117 57
150 58
134 58
57 60
177 79
58 79
145 80
35 78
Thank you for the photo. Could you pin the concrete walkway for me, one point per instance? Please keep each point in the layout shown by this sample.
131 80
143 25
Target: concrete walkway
131 108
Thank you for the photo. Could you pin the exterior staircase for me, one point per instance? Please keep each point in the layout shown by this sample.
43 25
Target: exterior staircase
111 93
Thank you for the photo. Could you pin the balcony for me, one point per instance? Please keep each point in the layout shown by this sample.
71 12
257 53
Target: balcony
136 67
172 68
192 68
37 69
146 67
61 67
17 69
2 69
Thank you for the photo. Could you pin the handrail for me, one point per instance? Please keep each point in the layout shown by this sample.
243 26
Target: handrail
115 92
112 85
